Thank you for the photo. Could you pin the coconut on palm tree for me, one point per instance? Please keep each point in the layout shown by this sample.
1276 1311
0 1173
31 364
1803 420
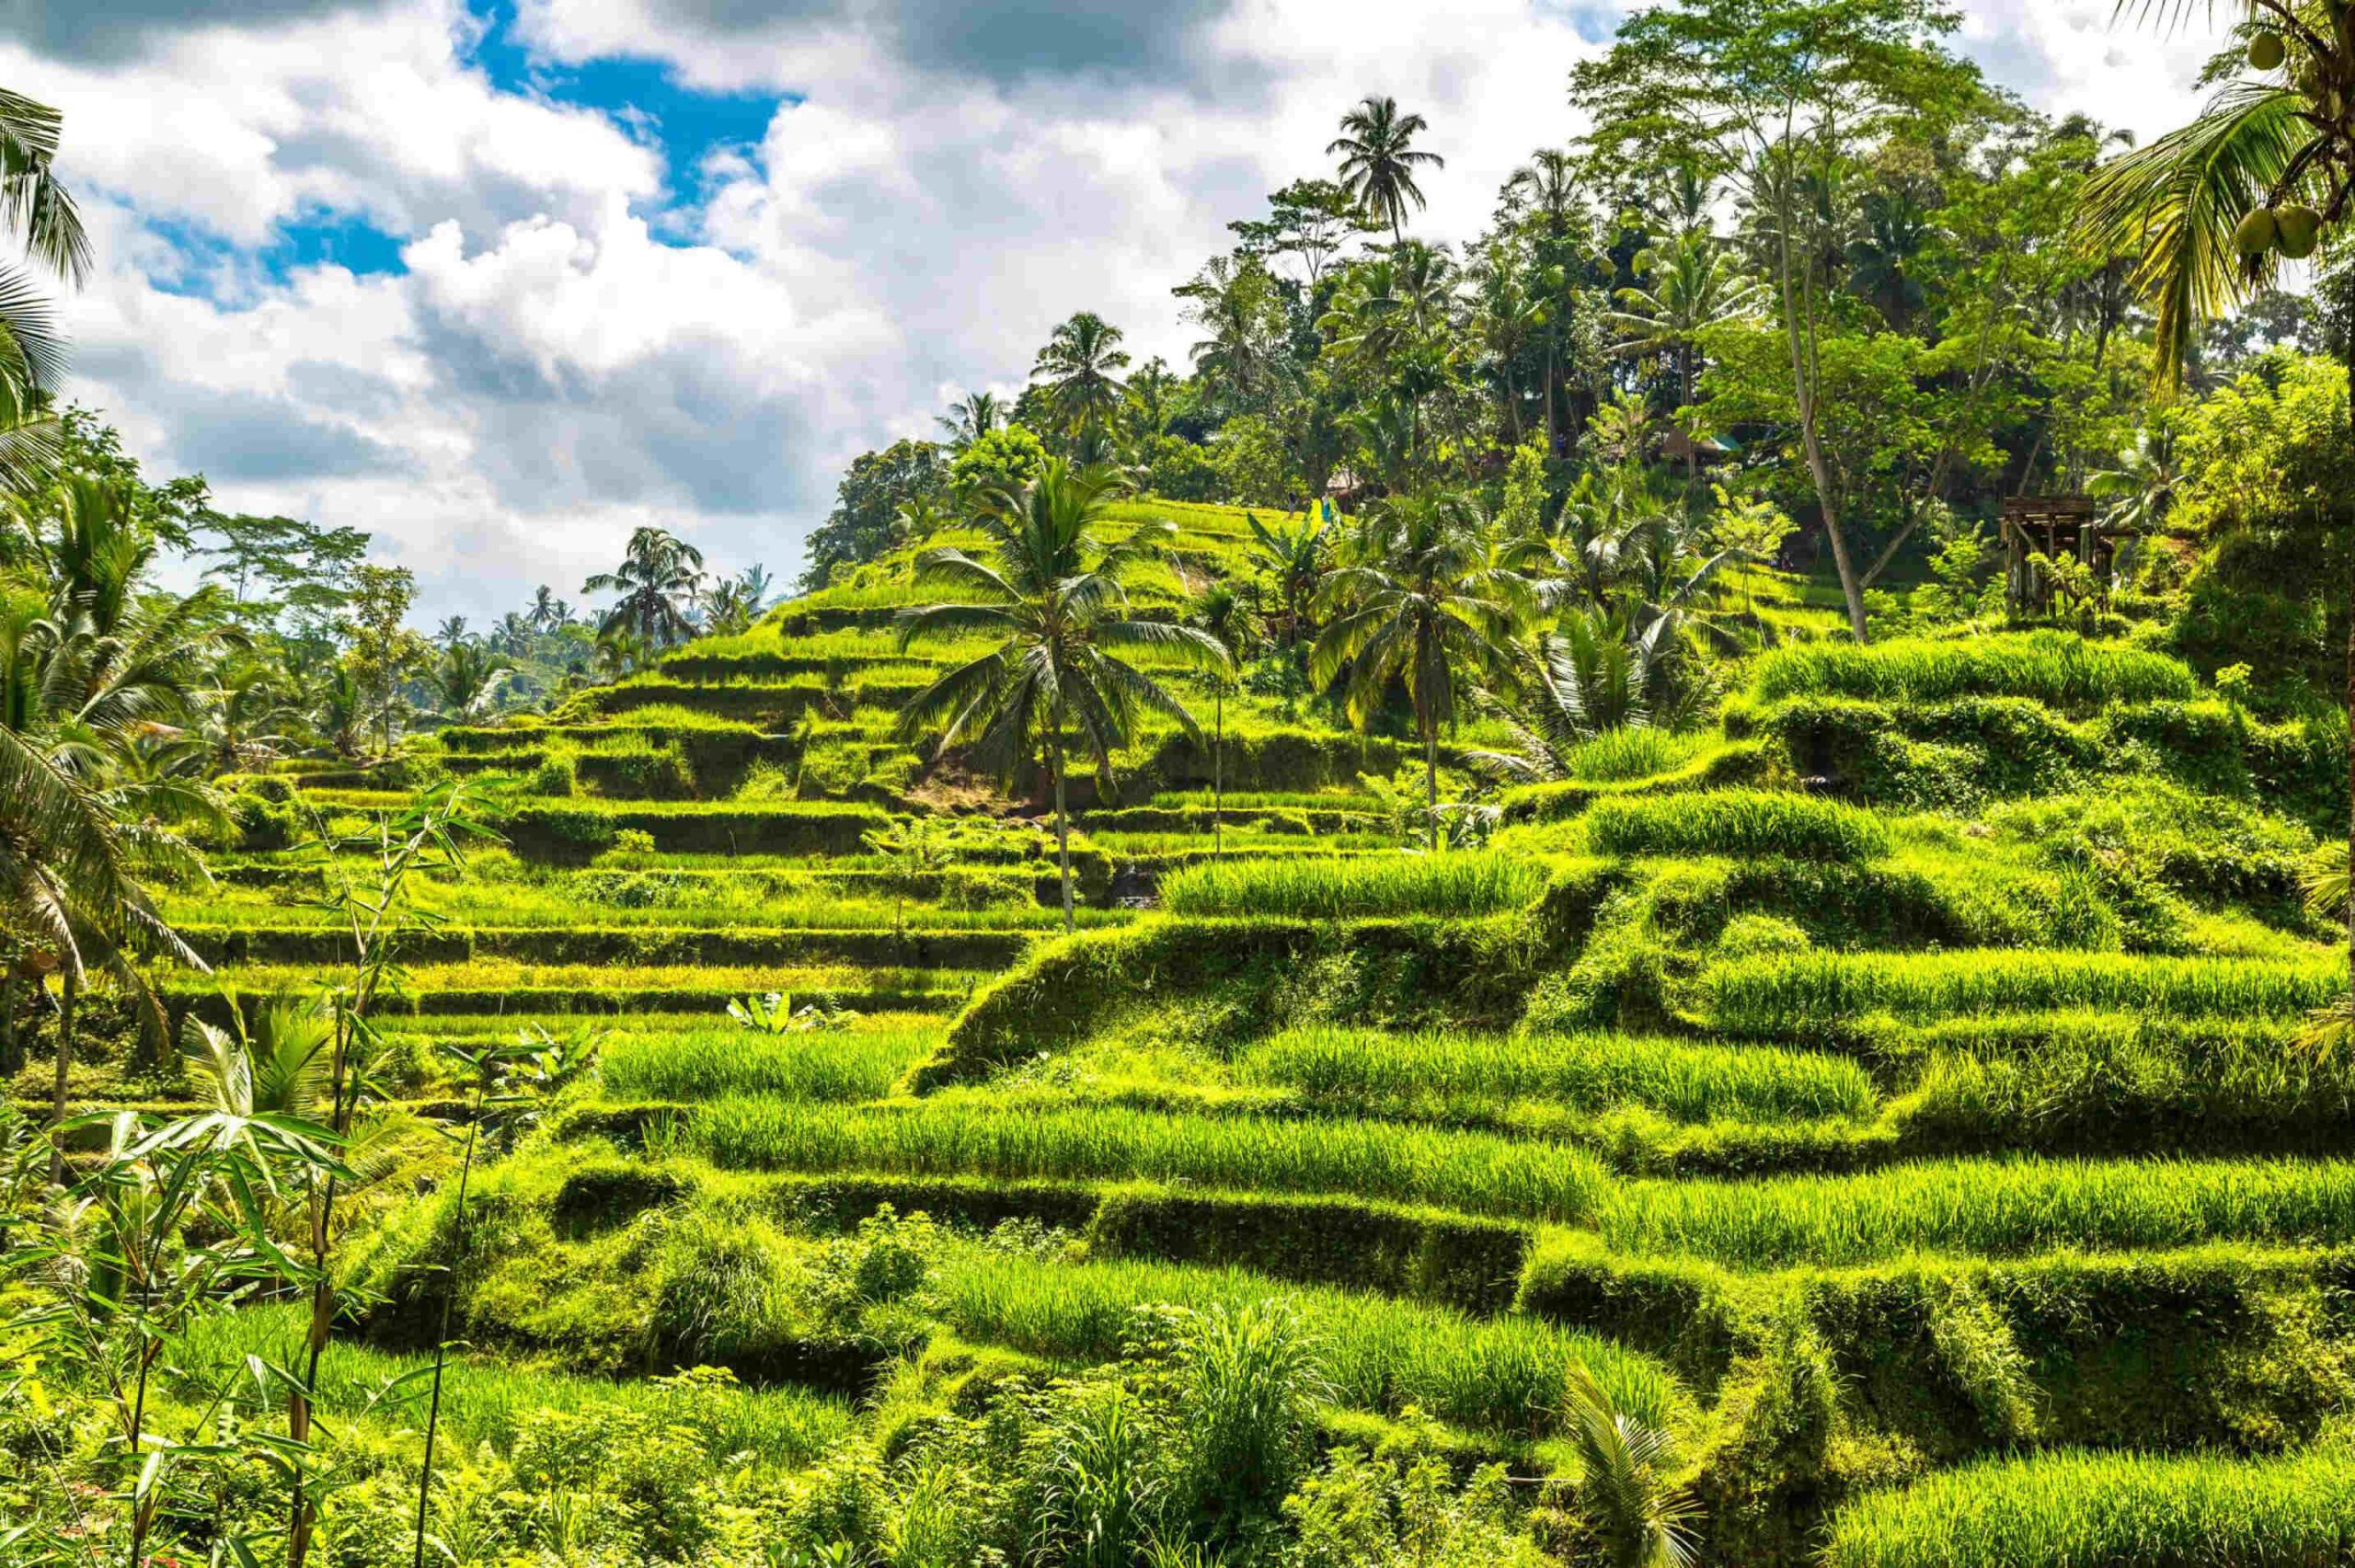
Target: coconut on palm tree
1424 601
660 577
1054 595
1379 160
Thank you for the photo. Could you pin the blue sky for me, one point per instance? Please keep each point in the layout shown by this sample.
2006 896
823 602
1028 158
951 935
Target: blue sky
501 280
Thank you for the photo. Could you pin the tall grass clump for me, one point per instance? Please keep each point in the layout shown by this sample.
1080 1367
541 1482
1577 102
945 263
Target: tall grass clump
1582 1072
1984 1207
1474 1171
708 1063
2091 1510
1306 887
1499 1374
2058 668
1782 995
1747 822
1616 755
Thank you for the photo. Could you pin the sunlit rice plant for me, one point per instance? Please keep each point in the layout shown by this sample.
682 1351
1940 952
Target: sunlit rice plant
1478 1173
1585 1072
2094 1510
1302 887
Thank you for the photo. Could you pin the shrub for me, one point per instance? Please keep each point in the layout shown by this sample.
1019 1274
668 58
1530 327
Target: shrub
1755 823
555 775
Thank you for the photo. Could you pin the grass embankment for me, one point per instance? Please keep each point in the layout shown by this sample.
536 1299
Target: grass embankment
2081 1510
2055 669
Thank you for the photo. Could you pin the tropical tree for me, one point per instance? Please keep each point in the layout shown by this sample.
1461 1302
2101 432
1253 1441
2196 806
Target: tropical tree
1079 371
38 212
1644 1519
2142 484
547 611
1054 593
1582 679
969 421
660 577
1294 555
1379 160
1690 287
2213 210
1779 94
468 681
1423 602
1226 616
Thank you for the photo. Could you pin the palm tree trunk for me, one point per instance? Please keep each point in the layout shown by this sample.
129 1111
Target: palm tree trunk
9 1063
1063 824
2350 354
64 1060
1218 772
1431 778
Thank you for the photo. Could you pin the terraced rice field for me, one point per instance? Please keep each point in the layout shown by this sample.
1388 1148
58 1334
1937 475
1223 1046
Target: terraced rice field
1950 1195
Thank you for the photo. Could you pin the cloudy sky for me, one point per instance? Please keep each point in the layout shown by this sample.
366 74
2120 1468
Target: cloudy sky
501 280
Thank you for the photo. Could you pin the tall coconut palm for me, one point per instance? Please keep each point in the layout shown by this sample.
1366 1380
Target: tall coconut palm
1514 302
1225 617
1423 602
1080 369
660 577
2212 210
969 421
73 839
1294 555
1053 592
468 679
543 613
1689 286
2142 486
37 212
1379 160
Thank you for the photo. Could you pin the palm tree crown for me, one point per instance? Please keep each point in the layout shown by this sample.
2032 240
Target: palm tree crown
1080 369
659 575
1379 160
1425 602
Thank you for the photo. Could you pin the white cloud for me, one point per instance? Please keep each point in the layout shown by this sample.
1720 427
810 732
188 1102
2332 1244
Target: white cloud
943 182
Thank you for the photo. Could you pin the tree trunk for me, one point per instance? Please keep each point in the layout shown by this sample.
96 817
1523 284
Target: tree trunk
64 1060
1431 778
1803 393
1062 825
11 1061
2349 355
1218 772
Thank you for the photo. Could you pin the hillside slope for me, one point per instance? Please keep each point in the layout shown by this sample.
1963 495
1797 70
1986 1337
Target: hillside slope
1891 1093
